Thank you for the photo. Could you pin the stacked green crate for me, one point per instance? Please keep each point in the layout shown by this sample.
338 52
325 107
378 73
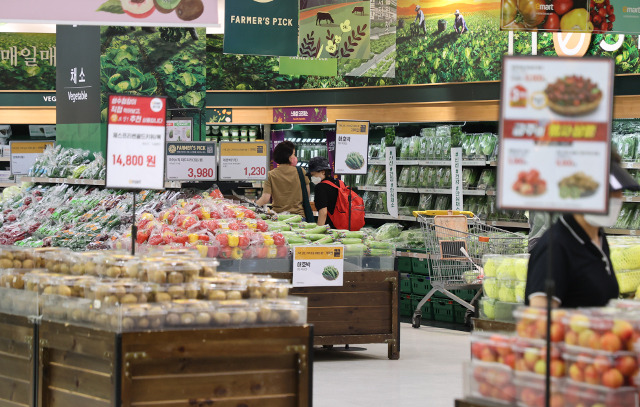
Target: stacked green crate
427 309
405 305
405 283
443 310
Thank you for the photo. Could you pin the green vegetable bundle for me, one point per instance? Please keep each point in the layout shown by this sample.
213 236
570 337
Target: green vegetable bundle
330 273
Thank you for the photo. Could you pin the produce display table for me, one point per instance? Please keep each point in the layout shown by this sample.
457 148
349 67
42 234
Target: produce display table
364 310
223 367
491 325
17 364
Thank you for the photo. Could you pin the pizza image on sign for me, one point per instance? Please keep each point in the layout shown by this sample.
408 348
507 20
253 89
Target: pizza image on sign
573 95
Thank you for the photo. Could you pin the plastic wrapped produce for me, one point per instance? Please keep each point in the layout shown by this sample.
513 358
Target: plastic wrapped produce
626 215
488 145
432 173
414 172
380 176
403 178
442 202
424 148
381 203
414 147
469 177
422 177
627 147
445 181
405 149
426 202
446 148
388 231
487 179
456 136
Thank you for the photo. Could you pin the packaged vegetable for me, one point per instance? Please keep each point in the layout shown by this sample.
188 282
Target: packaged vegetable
388 231
403 179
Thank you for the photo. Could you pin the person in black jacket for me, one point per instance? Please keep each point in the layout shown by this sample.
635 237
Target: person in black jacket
576 249
326 196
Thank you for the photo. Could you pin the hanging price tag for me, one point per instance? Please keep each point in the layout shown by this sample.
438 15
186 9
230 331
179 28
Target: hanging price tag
194 161
243 161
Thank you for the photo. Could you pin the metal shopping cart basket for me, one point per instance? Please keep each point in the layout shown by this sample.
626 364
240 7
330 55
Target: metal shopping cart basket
456 242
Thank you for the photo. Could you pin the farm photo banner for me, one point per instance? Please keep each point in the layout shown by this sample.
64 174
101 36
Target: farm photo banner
163 13
255 27
335 29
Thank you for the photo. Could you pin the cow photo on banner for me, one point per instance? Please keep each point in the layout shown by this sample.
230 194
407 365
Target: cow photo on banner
335 29
261 27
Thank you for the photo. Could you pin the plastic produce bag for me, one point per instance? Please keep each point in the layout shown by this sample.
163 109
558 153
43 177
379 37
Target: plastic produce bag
446 148
469 177
488 145
414 172
387 231
456 136
443 202
445 181
432 173
426 202
414 147
403 179
487 179
627 147
626 215
423 148
381 203
422 177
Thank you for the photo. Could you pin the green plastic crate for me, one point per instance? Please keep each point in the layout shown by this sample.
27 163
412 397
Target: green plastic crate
405 284
466 295
404 264
421 266
459 313
405 305
420 285
442 310
427 309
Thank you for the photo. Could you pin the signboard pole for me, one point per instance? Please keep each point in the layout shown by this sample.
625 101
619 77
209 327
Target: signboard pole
134 228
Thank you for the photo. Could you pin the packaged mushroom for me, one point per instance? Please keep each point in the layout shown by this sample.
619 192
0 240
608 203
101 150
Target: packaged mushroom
114 292
118 266
220 289
13 278
235 313
16 257
172 292
136 317
189 313
292 310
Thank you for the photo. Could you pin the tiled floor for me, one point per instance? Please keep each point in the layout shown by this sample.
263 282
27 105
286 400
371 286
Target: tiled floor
428 374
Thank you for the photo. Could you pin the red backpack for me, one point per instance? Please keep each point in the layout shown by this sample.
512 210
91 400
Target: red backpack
340 217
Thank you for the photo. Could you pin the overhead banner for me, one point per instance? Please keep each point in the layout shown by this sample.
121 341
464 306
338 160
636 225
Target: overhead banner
256 27
555 132
27 61
352 145
153 13
300 114
598 16
136 142
308 66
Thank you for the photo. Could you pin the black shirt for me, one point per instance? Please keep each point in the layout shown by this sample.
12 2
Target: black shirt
582 272
326 196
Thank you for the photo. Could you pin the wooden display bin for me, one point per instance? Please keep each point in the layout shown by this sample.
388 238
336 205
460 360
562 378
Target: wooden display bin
364 310
17 364
259 367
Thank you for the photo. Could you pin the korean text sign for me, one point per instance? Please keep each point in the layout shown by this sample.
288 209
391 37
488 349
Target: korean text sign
136 142
191 161
243 161
352 144
555 131
318 266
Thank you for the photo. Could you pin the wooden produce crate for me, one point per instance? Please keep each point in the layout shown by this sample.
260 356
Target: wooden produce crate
17 364
364 310
259 367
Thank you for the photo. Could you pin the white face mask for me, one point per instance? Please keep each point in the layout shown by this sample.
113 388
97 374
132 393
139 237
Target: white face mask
316 180
610 219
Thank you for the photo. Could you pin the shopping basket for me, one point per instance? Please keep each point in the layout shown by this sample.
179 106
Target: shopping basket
455 242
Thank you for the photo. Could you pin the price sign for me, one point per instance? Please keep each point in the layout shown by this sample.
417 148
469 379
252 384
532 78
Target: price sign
243 161
555 132
318 266
352 144
179 129
136 142
24 154
194 161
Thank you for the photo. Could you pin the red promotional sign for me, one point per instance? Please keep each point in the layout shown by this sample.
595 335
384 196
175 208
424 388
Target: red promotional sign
135 142
555 124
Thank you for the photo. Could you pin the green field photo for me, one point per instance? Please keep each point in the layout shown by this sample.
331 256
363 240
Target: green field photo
335 30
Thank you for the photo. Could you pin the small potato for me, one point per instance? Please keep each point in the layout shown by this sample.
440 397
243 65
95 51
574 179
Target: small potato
101 319
119 291
216 295
17 264
128 324
157 276
50 290
292 316
64 290
6 263
163 297
221 318
191 293
234 295
77 315
28 264
187 318
173 319
252 317
255 292
77 269
176 292
144 323
208 271
175 278
110 300
155 323
64 268
7 255
129 299
203 318
114 272
239 317
90 269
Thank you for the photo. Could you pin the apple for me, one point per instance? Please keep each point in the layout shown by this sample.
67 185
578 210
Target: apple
623 330
485 389
557 332
594 341
540 367
601 364
613 378
571 338
476 349
575 373
508 393
591 375
510 360
627 365
610 342
531 356
584 337
579 323
557 400
488 355
557 368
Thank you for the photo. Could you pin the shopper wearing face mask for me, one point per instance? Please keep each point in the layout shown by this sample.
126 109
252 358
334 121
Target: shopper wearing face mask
325 196
580 261
284 183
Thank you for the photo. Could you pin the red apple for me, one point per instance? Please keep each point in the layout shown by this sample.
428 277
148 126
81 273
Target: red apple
610 342
557 332
575 373
510 360
627 365
623 329
476 349
557 368
531 356
571 338
557 400
613 378
594 341
591 376
488 355
584 337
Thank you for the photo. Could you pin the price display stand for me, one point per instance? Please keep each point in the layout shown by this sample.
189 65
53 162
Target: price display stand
136 123
547 142
243 161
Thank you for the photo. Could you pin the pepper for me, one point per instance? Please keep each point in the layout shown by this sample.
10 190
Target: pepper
236 253
272 253
576 20
233 240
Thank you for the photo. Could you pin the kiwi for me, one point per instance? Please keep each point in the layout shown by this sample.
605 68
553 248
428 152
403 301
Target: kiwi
166 6
190 9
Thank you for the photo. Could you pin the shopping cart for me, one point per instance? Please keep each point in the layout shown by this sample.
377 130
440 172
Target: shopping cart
456 242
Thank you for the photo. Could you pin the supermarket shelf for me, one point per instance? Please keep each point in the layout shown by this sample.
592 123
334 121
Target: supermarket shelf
626 232
378 188
491 192
7 184
631 199
508 224
404 253
635 166
389 217
5 159
465 163
74 181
